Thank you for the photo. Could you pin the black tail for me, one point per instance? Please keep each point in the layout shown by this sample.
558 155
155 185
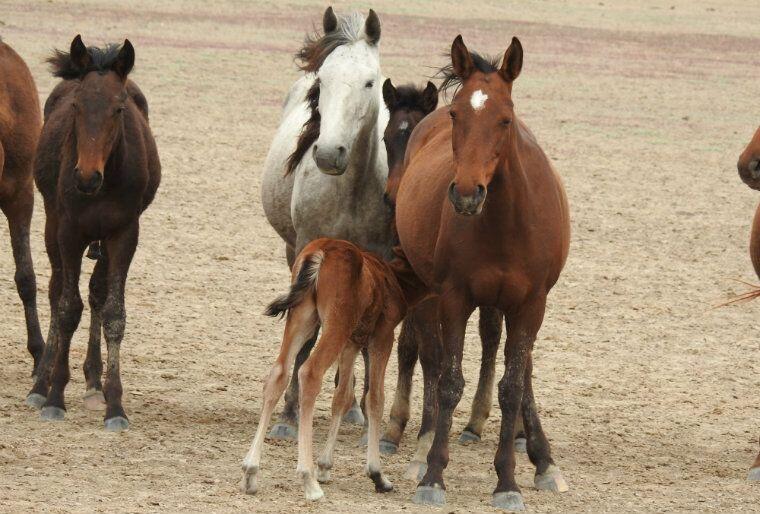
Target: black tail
306 278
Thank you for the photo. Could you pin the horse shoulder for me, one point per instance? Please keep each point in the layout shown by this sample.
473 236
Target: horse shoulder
48 158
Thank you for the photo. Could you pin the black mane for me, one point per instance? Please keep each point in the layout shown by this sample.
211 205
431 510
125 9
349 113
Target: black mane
410 97
310 131
101 60
483 63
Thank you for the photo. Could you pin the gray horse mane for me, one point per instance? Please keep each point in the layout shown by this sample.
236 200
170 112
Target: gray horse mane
317 46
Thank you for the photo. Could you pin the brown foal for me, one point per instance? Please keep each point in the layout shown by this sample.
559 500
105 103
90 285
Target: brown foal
483 220
97 168
749 171
20 123
358 301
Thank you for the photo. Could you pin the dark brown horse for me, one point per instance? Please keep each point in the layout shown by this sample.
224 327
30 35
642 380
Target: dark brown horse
483 220
20 123
97 168
749 171
407 106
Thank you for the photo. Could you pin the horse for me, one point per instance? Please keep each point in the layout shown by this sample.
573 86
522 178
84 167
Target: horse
20 123
749 171
407 106
483 220
358 300
97 168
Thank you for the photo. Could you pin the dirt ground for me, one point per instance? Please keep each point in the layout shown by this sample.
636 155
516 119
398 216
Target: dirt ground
649 397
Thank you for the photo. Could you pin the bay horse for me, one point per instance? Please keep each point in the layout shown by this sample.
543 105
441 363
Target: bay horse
358 300
20 123
407 106
483 220
749 171
98 169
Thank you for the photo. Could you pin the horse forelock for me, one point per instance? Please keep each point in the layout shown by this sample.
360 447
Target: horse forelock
451 81
317 46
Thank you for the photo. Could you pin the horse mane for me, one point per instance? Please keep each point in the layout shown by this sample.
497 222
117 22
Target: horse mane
317 46
101 60
309 132
483 63
410 97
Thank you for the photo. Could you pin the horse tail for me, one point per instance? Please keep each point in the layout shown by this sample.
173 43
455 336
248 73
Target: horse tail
747 296
305 282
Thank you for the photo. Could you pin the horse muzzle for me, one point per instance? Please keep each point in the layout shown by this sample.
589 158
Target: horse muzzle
89 185
331 160
469 205
750 172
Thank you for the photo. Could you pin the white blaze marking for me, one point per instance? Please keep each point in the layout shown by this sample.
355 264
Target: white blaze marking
478 100
403 125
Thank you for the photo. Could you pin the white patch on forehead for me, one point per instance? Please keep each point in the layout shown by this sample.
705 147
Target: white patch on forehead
403 125
478 100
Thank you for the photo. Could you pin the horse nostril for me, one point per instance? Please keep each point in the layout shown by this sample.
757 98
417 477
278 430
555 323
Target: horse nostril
481 189
341 149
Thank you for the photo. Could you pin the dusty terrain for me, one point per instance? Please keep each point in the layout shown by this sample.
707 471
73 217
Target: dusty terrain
649 397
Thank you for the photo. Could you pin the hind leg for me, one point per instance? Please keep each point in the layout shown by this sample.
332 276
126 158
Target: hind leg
299 327
93 364
286 426
340 405
19 214
754 471
380 351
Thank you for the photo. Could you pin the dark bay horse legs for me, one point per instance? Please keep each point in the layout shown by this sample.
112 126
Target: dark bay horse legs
19 215
93 364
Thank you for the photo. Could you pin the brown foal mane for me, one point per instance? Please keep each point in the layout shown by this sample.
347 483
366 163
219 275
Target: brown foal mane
101 60
450 80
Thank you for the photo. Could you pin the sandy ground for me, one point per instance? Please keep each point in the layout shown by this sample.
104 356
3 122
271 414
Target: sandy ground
649 397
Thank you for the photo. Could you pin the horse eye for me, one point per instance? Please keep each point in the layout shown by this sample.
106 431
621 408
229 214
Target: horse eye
505 123
119 110
369 84
452 114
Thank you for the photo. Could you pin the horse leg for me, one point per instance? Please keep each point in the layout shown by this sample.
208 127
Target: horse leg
37 396
286 426
19 214
454 311
490 323
299 327
355 414
400 411
120 248
548 476
69 313
523 326
380 352
340 405
93 363
427 332
327 350
754 471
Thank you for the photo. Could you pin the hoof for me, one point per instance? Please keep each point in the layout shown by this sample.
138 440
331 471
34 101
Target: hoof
429 495
283 431
94 400
468 437
312 491
388 447
551 480
35 400
521 445
323 475
754 475
250 483
416 470
382 484
117 424
51 413
511 501
354 416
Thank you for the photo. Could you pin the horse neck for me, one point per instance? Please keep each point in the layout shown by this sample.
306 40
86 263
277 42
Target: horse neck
509 191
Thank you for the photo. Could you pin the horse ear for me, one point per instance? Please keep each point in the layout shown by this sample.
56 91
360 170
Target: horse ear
461 60
513 60
372 28
125 60
389 94
430 98
78 54
329 20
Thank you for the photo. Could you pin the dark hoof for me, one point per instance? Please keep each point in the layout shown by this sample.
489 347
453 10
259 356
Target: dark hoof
511 501
117 424
35 400
521 445
468 437
551 480
388 447
383 485
283 431
354 416
51 413
429 495
754 475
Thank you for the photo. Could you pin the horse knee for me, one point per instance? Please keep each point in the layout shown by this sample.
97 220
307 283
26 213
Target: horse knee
510 395
307 377
450 390
69 312
26 284
114 320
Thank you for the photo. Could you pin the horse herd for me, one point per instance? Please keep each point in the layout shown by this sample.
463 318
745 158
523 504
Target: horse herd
392 211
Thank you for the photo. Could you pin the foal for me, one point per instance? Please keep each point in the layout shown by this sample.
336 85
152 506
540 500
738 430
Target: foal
19 132
97 168
358 301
